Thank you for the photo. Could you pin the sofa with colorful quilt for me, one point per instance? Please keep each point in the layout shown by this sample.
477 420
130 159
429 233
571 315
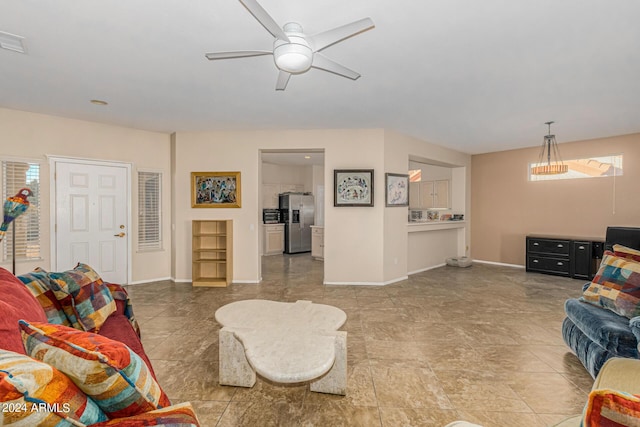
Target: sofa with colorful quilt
71 355
605 321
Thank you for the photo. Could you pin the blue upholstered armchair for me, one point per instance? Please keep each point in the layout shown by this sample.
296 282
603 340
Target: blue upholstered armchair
596 334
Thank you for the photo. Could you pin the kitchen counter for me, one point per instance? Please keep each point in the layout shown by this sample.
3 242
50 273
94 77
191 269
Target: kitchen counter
417 226
430 243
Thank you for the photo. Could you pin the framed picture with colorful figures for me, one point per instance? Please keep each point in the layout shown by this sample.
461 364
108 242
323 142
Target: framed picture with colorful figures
353 187
215 190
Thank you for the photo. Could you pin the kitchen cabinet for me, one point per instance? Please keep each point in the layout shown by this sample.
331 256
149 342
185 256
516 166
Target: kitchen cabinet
273 239
270 196
291 188
212 253
270 193
429 195
317 242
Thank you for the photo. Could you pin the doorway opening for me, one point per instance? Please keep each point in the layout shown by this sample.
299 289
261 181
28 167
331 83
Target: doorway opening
292 202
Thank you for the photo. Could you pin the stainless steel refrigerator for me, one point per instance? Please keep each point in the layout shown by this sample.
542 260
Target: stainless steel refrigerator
297 211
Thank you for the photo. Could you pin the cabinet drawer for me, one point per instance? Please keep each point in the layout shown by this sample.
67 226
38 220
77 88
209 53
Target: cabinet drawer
548 246
318 231
549 264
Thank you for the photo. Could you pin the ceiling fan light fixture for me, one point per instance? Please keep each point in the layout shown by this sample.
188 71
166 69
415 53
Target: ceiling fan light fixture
295 57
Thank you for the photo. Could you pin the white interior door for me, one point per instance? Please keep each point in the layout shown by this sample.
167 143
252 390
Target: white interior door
91 214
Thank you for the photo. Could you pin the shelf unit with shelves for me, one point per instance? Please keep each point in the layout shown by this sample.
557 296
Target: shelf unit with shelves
212 253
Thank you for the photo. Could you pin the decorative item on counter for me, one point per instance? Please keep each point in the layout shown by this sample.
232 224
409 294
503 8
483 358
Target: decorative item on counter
457 217
433 215
13 208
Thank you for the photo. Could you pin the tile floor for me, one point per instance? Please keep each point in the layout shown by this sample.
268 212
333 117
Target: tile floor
481 344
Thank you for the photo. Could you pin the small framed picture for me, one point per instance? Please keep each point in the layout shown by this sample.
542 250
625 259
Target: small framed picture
396 189
433 215
353 187
215 189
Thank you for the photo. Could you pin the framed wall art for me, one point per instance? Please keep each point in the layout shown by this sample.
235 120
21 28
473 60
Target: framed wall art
353 187
396 189
215 189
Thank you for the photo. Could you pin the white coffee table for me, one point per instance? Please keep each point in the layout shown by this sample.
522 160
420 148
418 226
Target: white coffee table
284 343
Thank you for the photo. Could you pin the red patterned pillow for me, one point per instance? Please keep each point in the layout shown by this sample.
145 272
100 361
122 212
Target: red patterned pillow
611 408
85 298
38 284
180 415
625 252
108 371
33 393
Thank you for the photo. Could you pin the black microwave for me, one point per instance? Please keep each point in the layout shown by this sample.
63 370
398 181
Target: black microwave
270 216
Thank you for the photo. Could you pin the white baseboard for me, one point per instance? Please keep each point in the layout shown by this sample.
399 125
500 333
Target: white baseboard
498 263
388 282
160 279
426 269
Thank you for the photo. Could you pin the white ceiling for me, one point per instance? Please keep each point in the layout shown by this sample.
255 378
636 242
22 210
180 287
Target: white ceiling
473 75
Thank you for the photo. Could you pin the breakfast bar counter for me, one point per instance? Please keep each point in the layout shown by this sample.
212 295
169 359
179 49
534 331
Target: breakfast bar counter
432 242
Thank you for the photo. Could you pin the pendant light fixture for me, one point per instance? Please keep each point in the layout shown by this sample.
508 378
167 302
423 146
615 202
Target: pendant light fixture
549 161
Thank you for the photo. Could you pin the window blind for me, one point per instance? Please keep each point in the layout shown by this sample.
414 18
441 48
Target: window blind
17 175
149 211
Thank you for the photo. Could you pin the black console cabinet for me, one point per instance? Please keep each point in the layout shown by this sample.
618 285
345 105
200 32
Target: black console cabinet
577 258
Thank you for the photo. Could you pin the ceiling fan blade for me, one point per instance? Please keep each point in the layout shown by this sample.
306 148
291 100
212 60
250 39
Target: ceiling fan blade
265 19
323 63
237 54
329 37
283 79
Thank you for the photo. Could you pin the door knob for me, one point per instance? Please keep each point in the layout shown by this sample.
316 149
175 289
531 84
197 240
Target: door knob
121 234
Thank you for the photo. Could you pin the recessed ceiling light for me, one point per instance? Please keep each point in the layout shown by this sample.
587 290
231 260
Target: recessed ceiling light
99 102
11 42
307 157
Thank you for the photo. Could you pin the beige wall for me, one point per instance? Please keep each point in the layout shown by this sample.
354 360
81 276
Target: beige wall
363 245
352 257
34 136
506 206
438 245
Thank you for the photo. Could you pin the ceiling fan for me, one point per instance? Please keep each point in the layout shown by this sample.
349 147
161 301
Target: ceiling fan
295 52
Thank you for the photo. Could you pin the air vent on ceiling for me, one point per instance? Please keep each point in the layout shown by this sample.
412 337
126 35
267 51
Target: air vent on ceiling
11 42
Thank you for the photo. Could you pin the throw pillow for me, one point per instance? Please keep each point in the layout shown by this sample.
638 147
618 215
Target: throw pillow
625 252
85 298
611 408
36 394
38 284
16 302
180 415
108 371
616 286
